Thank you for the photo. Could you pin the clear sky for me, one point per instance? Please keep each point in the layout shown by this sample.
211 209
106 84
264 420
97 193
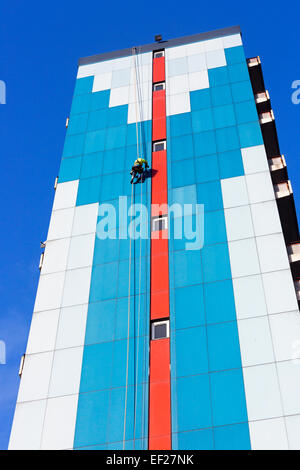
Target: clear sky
40 45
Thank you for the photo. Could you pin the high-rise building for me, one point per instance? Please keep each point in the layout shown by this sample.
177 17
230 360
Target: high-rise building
163 341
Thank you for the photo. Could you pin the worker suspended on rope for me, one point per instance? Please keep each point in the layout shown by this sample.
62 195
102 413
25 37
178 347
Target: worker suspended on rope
138 169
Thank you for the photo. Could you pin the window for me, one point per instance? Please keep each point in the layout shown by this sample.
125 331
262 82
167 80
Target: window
159 223
159 86
41 260
158 146
21 365
160 329
158 54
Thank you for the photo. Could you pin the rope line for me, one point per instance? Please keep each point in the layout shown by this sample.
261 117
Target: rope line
128 329
139 150
136 79
136 103
138 327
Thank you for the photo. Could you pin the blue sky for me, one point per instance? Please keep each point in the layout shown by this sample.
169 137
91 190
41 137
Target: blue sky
41 44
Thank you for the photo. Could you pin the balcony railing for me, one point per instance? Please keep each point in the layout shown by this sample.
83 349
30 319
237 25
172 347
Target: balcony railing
283 189
268 116
277 163
294 252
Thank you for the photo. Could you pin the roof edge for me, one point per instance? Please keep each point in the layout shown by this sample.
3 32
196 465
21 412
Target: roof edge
158 45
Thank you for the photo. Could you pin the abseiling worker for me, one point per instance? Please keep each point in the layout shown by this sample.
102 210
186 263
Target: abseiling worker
138 169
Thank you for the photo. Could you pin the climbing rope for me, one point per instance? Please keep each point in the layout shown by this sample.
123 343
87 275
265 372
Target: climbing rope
138 326
128 328
136 85
136 92
139 101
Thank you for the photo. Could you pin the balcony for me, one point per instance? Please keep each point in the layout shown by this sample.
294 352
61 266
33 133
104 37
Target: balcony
277 163
294 252
266 117
253 61
262 96
297 288
283 189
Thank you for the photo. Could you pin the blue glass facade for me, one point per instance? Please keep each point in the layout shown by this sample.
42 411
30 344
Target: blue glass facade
204 146
99 150
208 394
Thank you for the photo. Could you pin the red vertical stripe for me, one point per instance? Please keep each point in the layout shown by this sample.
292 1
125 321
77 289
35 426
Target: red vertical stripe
159 178
158 69
159 389
159 115
159 276
160 405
